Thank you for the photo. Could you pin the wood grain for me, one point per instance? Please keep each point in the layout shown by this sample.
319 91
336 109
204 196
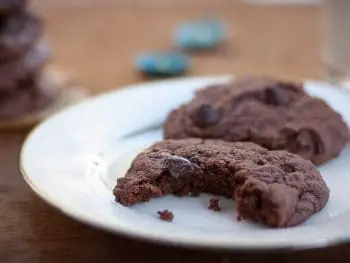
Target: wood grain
96 44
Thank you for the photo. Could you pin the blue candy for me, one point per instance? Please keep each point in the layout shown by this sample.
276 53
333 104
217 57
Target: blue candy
162 63
200 34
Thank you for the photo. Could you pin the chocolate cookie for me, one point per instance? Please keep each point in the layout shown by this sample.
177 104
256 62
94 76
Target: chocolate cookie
30 95
9 6
26 66
273 114
18 33
275 188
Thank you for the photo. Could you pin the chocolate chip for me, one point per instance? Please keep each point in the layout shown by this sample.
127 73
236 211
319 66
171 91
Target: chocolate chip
205 115
288 168
306 141
260 162
179 166
276 96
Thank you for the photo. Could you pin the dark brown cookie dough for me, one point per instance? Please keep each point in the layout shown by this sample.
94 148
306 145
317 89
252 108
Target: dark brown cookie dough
18 33
274 114
275 188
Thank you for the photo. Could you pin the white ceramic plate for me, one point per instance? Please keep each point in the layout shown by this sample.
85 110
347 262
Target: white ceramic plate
73 159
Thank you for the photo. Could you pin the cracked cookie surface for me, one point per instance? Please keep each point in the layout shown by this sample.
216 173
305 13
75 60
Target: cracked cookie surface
275 188
274 114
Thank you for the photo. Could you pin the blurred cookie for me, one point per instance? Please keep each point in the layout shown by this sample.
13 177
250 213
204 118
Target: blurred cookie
275 114
9 6
18 33
52 93
28 97
25 67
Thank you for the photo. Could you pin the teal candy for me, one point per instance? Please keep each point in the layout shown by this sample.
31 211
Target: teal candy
162 63
200 34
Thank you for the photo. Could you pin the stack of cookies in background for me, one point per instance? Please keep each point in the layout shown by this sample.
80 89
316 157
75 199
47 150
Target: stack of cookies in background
29 91
22 58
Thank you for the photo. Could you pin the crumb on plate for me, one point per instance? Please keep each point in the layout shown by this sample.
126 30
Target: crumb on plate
214 204
166 215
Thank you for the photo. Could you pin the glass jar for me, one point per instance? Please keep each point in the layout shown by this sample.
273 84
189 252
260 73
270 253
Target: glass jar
336 40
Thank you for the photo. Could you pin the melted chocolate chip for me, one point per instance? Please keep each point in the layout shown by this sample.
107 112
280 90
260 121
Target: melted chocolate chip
304 138
205 116
306 141
179 166
276 96
260 162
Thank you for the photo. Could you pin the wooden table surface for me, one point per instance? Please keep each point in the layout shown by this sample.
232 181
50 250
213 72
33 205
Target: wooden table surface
96 44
